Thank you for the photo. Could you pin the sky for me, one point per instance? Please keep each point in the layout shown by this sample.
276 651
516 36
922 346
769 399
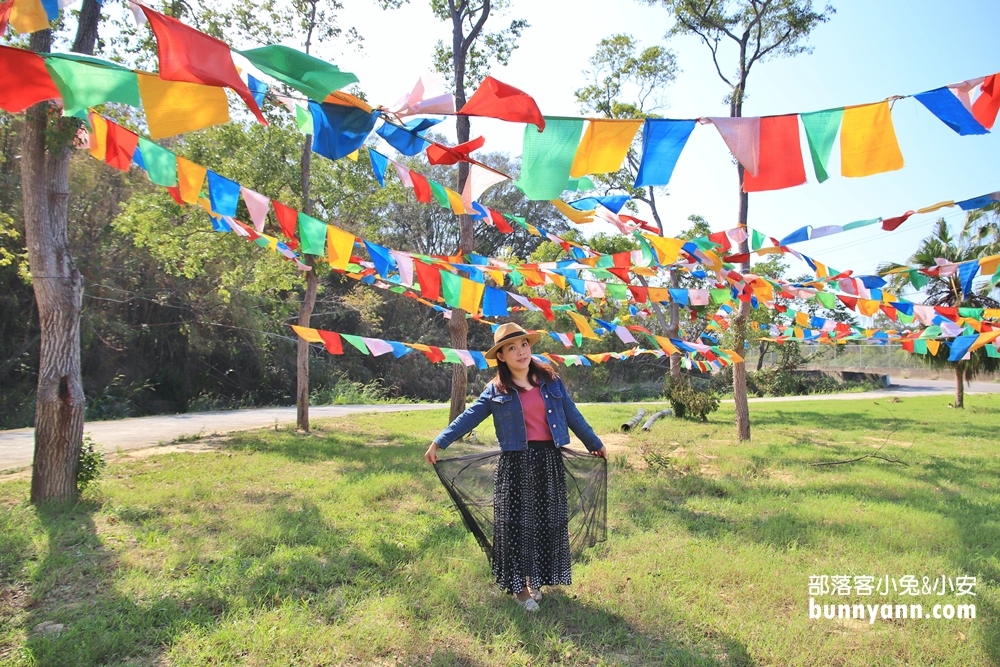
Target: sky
867 52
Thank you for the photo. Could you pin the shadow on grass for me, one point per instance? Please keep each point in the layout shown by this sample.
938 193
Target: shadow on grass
74 587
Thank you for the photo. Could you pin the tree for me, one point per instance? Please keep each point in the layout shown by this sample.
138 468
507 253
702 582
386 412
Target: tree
627 84
979 237
467 61
758 30
46 148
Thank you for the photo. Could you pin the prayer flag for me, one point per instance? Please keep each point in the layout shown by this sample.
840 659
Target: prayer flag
309 334
429 278
223 193
357 342
381 258
339 130
288 219
379 164
121 144
868 141
986 106
662 143
583 325
176 107
438 154
24 81
604 146
258 89
547 157
451 287
407 139
257 205
339 246
471 296
946 106
29 16
495 303
85 82
303 72
312 235
821 131
331 341
160 164
421 187
742 136
187 54
479 179
495 99
190 177
780 161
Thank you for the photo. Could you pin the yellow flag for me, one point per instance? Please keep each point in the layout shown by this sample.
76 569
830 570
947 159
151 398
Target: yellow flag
471 296
801 318
339 245
98 136
176 107
988 265
868 307
307 334
190 178
353 156
933 346
733 357
868 141
935 207
28 16
583 325
983 339
455 200
559 281
658 294
579 217
666 345
604 146
668 249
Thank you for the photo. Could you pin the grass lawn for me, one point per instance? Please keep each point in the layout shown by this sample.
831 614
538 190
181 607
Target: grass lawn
341 547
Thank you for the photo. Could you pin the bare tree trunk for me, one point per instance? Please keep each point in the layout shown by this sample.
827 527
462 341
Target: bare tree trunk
57 283
959 385
306 310
739 331
675 326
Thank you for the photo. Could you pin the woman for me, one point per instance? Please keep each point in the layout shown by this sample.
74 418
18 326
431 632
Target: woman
532 414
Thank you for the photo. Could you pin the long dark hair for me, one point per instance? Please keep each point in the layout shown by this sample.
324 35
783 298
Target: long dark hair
537 370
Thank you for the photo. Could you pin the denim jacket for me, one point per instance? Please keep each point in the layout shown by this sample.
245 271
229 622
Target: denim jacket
508 420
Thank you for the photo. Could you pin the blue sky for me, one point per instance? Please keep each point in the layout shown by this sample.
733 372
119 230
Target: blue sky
867 52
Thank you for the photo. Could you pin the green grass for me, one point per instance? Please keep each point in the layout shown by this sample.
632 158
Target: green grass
341 548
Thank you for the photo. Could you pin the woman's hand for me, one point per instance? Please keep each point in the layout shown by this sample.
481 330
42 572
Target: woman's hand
602 452
432 453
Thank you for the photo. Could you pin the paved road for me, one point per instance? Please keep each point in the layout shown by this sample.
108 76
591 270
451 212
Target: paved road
17 445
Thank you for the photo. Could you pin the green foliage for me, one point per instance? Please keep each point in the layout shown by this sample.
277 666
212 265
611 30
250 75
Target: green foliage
687 399
92 463
117 399
344 391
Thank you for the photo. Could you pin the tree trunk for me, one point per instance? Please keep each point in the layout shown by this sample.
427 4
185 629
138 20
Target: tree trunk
675 325
739 331
959 385
57 283
308 303
458 326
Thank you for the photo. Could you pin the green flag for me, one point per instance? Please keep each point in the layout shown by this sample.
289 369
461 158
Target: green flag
85 82
440 194
827 299
161 164
451 288
757 240
821 130
312 76
548 156
356 342
312 234
861 223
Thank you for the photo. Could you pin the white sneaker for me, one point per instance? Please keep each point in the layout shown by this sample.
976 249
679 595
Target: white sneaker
529 604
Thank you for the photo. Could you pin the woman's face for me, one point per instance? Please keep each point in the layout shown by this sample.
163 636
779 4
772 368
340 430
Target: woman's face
516 354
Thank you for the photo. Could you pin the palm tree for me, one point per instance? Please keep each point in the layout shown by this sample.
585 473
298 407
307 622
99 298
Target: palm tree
979 237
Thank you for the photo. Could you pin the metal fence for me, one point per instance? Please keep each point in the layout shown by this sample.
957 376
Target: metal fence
873 357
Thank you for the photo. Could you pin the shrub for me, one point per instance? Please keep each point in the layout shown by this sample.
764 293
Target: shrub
686 399
92 462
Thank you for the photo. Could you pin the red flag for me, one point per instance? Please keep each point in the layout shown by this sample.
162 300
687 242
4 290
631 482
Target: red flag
429 278
890 224
622 274
189 55
640 294
121 144
421 188
722 239
545 305
986 106
175 192
434 354
332 342
288 219
951 312
848 301
780 164
495 99
889 311
622 260
501 222
5 8
24 81
438 154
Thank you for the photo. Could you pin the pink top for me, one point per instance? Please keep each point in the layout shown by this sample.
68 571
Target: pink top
535 418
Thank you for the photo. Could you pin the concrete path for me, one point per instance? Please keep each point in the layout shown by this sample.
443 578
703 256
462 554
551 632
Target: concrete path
17 445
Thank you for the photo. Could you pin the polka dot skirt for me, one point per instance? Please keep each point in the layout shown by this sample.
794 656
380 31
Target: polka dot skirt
530 519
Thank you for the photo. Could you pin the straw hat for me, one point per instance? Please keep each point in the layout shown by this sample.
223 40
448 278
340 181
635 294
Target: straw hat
507 332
